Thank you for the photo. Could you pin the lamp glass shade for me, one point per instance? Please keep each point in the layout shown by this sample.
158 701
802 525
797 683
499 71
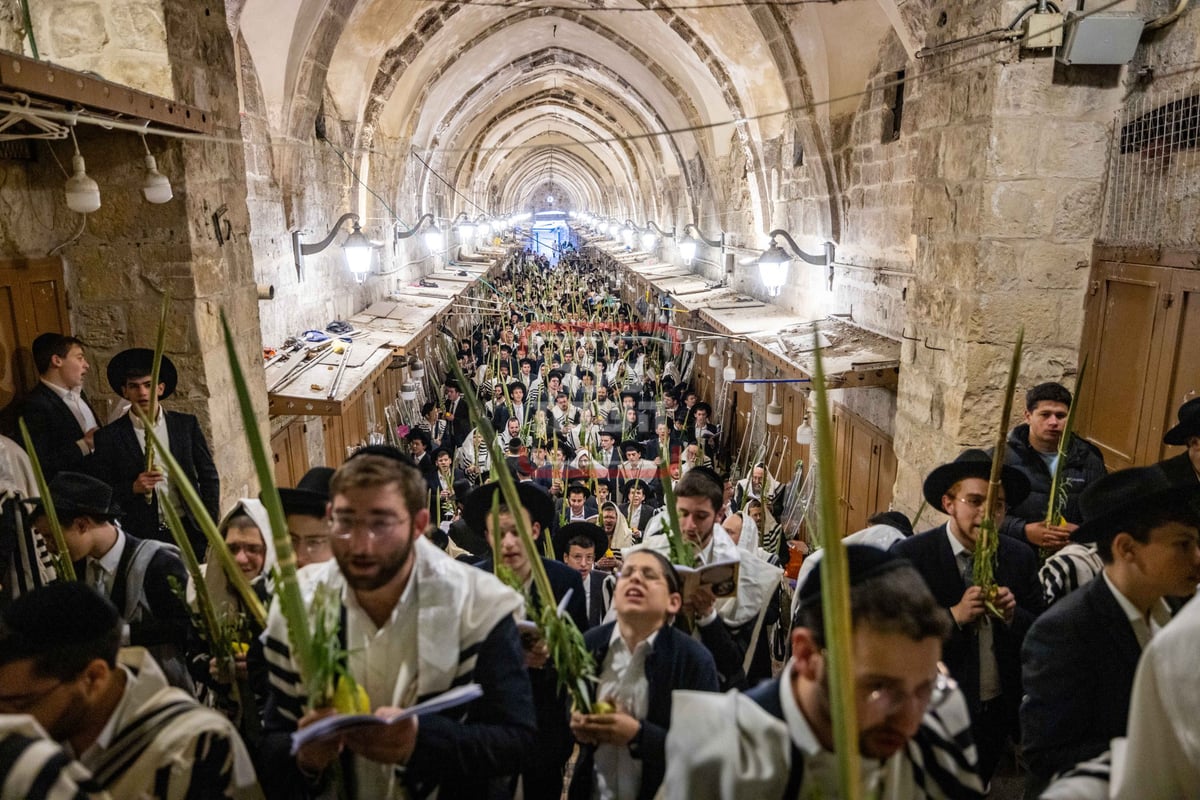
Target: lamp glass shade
804 434
466 230
714 360
729 373
155 188
702 347
750 388
357 249
649 240
433 238
627 237
83 194
417 372
485 231
408 391
774 411
687 250
689 346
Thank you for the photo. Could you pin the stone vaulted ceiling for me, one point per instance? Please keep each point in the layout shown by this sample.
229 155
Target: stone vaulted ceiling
510 101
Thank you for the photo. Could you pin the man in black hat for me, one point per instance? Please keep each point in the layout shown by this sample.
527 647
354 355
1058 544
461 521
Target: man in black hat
701 430
574 507
543 775
983 652
777 740
135 574
458 413
1184 469
61 422
1032 448
514 407
304 509
419 447
636 467
120 457
1080 657
580 545
636 510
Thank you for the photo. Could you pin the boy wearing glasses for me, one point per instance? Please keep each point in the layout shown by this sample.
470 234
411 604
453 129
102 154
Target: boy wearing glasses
776 741
415 622
983 652
641 659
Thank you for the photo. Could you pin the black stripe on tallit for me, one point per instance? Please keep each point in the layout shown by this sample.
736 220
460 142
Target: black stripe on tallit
931 769
49 774
132 742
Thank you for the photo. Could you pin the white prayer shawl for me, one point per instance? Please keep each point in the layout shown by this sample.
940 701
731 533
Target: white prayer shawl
16 471
726 746
881 536
457 607
757 580
622 536
224 597
164 738
30 759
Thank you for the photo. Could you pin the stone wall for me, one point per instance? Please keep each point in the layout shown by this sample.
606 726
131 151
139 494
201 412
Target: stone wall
123 40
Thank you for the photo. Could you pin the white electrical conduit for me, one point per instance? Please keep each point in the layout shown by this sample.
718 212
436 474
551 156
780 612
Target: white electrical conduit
1168 18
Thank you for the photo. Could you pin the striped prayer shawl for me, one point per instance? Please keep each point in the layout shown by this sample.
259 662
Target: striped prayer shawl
1088 780
1067 570
30 565
457 607
34 767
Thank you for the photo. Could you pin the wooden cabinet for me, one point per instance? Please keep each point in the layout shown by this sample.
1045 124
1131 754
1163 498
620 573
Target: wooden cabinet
1142 342
290 452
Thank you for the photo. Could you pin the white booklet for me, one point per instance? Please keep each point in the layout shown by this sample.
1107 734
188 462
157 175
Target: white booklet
335 724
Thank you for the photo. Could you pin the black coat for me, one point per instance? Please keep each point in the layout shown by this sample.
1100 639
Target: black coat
119 459
677 662
1085 465
1179 471
596 607
54 431
1078 663
1016 568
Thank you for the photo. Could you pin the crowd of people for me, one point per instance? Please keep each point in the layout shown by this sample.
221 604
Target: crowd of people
710 678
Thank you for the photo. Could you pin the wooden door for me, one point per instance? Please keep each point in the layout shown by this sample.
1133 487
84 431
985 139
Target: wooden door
866 468
1142 341
290 452
1125 330
33 301
1179 364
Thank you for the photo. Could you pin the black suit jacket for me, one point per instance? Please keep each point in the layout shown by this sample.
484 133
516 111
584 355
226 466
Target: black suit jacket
645 512
1078 663
54 431
676 662
1178 470
460 425
595 599
119 459
1016 568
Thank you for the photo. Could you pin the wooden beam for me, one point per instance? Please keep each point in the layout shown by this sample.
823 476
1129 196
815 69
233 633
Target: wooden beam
46 81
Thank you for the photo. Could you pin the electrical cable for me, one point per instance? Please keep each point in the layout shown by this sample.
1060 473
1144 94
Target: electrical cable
374 194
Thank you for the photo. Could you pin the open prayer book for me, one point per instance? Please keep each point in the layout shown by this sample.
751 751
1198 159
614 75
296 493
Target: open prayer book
341 723
721 578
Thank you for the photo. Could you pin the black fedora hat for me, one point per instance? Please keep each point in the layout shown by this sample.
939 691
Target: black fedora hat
514 385
974 463
76 495
562 539
702 406
138 359
863 562
577 485
310 495
533 498
1111 503
634 483
1189 423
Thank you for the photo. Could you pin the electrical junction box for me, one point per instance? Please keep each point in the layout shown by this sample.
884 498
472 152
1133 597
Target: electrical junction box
1096 38
1043 30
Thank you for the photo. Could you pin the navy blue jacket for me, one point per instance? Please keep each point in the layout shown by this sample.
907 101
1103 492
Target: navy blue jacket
1016 568
676 662
1085 465
1078 663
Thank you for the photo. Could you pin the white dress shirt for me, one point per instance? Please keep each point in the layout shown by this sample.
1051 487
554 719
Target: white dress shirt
622 682
103 571
79 409
384 662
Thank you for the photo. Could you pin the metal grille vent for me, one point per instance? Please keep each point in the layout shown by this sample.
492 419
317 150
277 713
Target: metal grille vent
1153 195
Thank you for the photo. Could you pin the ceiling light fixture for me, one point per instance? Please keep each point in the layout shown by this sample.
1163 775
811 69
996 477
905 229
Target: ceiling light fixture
83 193
773 263
155 187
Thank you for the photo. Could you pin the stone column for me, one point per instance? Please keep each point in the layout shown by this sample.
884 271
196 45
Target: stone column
1011 156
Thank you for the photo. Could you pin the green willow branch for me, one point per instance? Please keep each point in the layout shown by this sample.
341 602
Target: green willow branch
835 593
160 345
62 561
1058 484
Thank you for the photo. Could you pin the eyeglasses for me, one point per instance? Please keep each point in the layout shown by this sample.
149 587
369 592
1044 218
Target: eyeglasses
342 528
309 544
977 502
248 549
887 700
18 704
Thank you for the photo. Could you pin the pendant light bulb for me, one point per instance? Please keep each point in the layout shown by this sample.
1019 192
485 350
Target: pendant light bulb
729 373
83 194
774 411
156 187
